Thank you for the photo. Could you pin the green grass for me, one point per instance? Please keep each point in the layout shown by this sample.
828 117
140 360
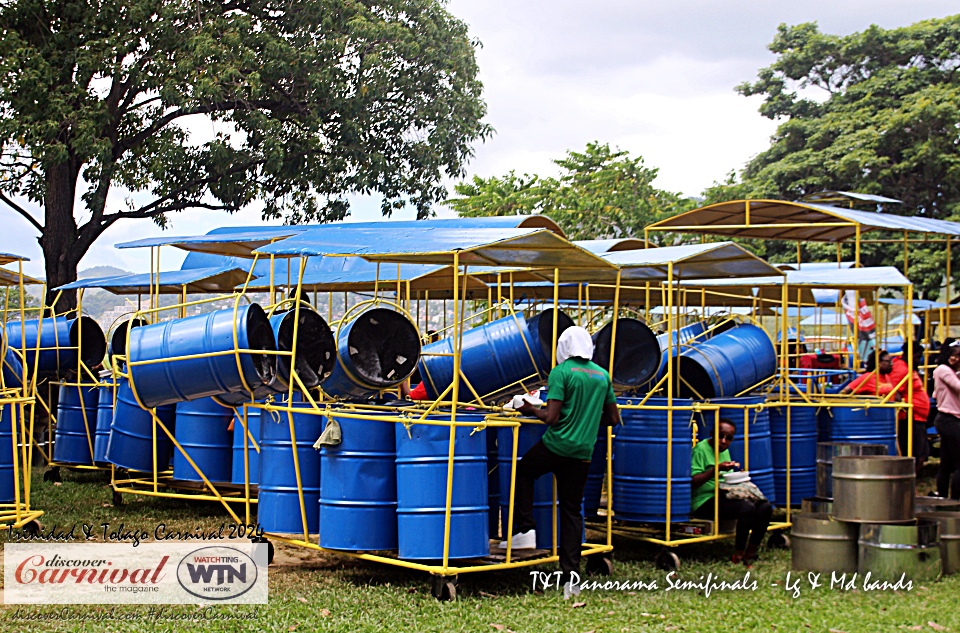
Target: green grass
312 591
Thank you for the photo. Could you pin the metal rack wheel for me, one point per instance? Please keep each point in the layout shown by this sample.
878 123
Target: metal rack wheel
778 540
667 560
599 565
444 588
33 528
117 499
53 475
270 547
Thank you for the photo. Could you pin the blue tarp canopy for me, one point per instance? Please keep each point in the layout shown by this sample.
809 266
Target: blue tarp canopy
529 248
795 221
197 280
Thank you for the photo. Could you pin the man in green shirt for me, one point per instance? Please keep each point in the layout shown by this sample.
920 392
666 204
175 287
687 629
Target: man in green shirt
579 399
752 517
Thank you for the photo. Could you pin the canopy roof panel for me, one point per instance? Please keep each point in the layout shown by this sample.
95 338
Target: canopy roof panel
9 258
691 261
796 221
612 245
12 278
842 196
842 278
197 280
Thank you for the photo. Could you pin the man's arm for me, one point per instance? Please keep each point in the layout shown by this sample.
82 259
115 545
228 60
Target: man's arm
610 415
549 416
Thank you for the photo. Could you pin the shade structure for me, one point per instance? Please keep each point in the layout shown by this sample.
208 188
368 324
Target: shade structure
208 348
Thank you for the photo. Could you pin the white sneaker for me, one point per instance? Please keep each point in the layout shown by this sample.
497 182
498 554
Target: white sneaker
570 590
523 540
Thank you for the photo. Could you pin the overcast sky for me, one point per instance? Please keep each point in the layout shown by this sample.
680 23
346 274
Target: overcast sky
653 77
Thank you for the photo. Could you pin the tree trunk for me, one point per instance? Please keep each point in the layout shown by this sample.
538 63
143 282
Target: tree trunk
60 235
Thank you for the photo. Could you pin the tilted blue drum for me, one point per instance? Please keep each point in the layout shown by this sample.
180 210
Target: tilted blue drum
358 499
104 422
279 501
58 340
493 485
422 476
640 473
203 433
803 452
540 326
376 350
251 440
636 357
727 364
215 360
598 470
76 425
132 433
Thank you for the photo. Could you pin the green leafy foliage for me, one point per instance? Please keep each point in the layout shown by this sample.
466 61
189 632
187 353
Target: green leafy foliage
875 112
297 104
600 193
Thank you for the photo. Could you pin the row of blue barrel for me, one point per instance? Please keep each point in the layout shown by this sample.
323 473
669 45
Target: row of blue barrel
640 452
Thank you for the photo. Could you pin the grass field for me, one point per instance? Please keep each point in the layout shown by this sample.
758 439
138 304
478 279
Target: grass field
310 591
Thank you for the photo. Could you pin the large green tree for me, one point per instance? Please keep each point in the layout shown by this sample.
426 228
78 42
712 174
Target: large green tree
600 193
312 100
875 112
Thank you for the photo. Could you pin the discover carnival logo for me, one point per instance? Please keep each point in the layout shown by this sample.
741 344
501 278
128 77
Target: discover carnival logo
97 573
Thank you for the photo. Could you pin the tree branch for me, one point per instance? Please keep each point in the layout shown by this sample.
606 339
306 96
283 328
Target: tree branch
16 207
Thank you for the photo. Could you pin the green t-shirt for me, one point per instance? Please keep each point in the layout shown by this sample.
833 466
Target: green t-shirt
584 388
702 460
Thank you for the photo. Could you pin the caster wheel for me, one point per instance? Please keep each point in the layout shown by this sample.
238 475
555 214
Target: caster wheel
271 550
53 475
778 541
33 528
599 566
117 499
444 588
667 561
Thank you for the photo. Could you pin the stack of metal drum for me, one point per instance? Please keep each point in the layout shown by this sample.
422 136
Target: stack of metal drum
867 518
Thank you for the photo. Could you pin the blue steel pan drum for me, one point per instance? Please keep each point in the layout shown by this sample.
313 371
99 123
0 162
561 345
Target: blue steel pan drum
640 452
9 415
377 350
131 434
209 371
636 356
117 337
859 425
58 339
541 327
422 469
202 432
803 452
76 425
358 499
279 508
104 422
727 364
252 439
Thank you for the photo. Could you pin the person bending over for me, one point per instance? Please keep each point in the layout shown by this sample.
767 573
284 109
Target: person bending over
752 517
580 396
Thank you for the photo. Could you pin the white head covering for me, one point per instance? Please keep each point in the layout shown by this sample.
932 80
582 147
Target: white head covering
575 342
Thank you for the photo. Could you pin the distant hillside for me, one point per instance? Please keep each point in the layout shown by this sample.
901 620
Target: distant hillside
98 302
101 271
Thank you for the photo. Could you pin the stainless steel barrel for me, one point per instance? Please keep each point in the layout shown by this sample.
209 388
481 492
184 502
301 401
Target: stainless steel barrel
826 451
874 489
816 505
935 504
820 543
889 551
949 538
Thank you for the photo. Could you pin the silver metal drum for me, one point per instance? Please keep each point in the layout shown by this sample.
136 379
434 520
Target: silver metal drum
826 451
874 489
935 504
818 505
819 543
949 538
888 551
